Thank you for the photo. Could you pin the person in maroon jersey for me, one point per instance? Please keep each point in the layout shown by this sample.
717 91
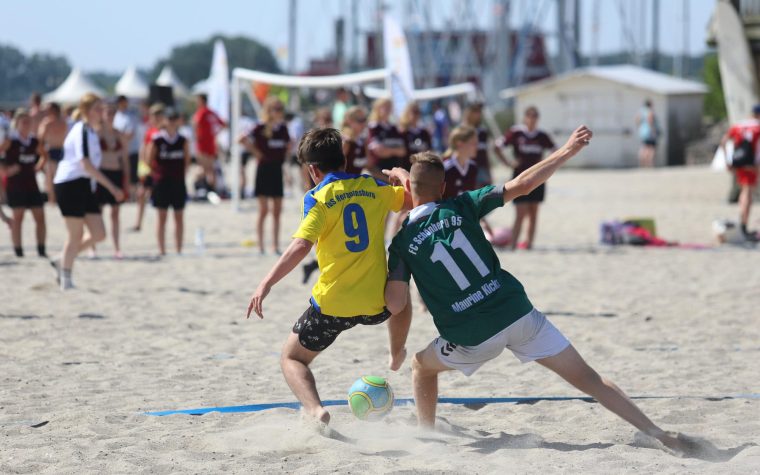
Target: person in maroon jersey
24 157
386 148
473 117
115 166
461 172
269 142
529 144
170 159
354 145
416 138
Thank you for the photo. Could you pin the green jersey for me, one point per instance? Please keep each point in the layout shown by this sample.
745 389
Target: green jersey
456 269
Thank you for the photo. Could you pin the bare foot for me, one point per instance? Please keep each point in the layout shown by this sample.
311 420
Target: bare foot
682 444
319 415
396 360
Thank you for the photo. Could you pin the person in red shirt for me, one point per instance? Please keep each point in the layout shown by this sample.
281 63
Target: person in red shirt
746 175
155 120
269 142
206 124
24 157
529 144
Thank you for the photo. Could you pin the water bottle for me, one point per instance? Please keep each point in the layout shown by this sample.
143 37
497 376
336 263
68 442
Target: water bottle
200 243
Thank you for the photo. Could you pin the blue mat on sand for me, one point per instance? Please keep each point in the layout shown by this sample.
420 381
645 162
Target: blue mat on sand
463 401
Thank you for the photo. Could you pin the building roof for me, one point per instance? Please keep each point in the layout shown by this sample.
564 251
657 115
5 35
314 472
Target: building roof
132 85
627 74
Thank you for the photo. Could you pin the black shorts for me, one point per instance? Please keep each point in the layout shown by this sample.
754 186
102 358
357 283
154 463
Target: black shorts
104 196
649 142
24 199
535 196
169 193
55 154
75 198
133 159
317 331
244 158
269 180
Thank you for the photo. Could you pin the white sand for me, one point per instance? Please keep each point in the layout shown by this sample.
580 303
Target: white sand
172 335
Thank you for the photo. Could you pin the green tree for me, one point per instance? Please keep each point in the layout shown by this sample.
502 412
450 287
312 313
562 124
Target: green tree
192 62
20 75
715 102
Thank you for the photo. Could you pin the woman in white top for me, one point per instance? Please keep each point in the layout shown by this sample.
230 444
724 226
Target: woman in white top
75 183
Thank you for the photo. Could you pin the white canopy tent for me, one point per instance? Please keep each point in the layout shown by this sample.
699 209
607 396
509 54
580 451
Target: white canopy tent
73 88
242 79
132 85
169 78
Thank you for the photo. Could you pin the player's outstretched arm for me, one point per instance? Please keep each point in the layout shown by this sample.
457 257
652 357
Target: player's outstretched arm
536 175
294 254
400 177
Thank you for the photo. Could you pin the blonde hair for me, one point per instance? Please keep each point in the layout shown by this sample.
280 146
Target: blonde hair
266 117
351 114
405 121
18 114
374 116
459 135
86 103
76 114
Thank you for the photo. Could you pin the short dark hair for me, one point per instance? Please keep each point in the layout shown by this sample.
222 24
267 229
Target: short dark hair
203 97
426 174
121 99
323 148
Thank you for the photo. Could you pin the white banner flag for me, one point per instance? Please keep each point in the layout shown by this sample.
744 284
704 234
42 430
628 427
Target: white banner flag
219 89
401 79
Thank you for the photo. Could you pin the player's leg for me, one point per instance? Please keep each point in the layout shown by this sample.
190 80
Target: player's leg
295 362
18 217
521 210
95 230
425 369
50 168
398 330
38 214
263 211
142 193
179 229
532 223
745 203
276 212
571 367
116 228
161 230
75 230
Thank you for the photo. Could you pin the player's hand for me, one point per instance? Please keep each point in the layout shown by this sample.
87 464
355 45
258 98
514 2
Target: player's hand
398 176
580 138
257 300
118 195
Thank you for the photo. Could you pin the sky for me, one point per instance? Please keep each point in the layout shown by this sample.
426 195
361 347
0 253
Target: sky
96 35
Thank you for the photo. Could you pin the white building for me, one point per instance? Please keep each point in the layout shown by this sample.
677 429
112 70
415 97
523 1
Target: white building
608 99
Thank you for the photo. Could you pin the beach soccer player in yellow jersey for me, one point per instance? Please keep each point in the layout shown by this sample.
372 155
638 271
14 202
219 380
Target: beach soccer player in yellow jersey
344 215
479 308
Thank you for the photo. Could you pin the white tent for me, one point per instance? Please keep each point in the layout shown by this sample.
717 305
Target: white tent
242 79
168 78
73 88
132 85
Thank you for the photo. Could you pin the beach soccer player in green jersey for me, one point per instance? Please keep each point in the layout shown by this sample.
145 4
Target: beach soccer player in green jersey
479 308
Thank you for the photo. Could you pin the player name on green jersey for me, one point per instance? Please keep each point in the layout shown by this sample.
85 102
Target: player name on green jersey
457 272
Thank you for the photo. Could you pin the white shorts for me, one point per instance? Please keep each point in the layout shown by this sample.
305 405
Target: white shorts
530 338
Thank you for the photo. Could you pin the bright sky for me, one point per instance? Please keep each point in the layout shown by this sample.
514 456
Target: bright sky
97 35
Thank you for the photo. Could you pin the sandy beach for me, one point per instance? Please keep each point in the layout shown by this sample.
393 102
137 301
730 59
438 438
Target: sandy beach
78 370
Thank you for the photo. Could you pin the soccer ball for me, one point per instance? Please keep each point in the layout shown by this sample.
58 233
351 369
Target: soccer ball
370 398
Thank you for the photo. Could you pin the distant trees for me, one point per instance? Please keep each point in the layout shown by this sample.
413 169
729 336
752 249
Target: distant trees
20 75
192 61
715 103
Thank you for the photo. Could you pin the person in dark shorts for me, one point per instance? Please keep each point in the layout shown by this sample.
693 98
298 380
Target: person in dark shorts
116 167
51 134
529 144
170 159
416 137
24 157
269 142
351 258
75 184
155 119
386 147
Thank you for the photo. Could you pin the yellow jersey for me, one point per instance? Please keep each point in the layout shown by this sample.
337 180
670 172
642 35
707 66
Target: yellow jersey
345 216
